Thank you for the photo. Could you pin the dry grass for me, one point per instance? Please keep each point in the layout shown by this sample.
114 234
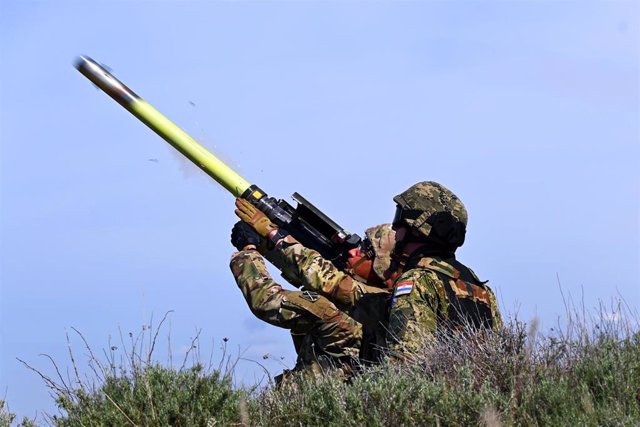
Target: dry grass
587 373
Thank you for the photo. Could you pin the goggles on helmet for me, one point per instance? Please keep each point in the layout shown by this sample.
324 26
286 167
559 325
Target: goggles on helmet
403 214
397 218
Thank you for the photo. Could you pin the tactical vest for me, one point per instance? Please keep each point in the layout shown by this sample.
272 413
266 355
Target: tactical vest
469 300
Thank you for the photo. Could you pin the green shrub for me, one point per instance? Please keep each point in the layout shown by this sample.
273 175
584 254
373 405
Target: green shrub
154 396
513 376
6 417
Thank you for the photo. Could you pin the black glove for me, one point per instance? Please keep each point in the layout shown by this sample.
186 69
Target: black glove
243 234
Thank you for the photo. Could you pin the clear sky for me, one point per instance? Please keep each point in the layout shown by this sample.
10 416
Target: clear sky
529 111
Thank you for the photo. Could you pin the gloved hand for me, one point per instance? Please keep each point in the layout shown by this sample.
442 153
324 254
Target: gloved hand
256 219
242 234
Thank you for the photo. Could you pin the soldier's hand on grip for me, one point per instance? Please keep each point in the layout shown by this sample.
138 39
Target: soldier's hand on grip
256 219
242 235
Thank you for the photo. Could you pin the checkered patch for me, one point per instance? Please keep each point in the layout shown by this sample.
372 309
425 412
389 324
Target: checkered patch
403 288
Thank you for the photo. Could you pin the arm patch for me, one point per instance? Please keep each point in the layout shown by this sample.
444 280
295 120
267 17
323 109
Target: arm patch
402 288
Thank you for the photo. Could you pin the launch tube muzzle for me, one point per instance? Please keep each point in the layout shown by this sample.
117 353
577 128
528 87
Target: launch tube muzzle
161 125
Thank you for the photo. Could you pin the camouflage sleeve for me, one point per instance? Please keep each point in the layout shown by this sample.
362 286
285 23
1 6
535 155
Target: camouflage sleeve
309 269
304 313
262 293
418 298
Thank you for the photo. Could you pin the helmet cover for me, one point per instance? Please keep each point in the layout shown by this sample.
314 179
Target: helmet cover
434 212
382 239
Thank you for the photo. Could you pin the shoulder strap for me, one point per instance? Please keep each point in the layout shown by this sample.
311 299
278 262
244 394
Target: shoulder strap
465 285
439 266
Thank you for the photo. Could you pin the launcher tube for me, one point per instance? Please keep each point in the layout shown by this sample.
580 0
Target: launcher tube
164 127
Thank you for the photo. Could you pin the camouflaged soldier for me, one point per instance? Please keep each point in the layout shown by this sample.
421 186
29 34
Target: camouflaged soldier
323 336
436 290
359 291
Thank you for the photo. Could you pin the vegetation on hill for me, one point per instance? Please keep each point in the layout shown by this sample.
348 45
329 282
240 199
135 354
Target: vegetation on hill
581 375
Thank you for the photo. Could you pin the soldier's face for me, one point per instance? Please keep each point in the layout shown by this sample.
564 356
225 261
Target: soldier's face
397 218
401 232
398 255
405 241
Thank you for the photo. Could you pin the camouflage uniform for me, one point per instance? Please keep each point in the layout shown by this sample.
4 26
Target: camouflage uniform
366 303
324 336
436 291
306 268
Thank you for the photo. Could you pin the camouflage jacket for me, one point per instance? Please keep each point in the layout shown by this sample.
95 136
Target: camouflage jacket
435 293
367 304
318 328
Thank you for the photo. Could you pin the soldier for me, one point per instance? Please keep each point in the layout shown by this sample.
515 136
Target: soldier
360 291
324 336
435 291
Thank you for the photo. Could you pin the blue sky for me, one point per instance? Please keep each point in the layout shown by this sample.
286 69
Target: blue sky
529 111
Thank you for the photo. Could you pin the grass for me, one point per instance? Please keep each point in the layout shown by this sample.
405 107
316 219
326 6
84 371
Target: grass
509 378
585 374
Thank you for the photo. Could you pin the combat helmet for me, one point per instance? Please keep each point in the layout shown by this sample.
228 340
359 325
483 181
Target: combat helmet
381 240
434 212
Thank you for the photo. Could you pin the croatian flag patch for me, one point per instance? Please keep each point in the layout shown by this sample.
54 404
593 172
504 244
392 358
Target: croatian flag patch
403 289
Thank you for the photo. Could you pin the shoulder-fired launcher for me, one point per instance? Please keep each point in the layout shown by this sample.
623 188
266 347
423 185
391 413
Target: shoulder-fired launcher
305 222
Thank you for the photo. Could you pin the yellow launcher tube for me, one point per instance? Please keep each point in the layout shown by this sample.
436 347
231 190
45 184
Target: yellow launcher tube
195 152
164 127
